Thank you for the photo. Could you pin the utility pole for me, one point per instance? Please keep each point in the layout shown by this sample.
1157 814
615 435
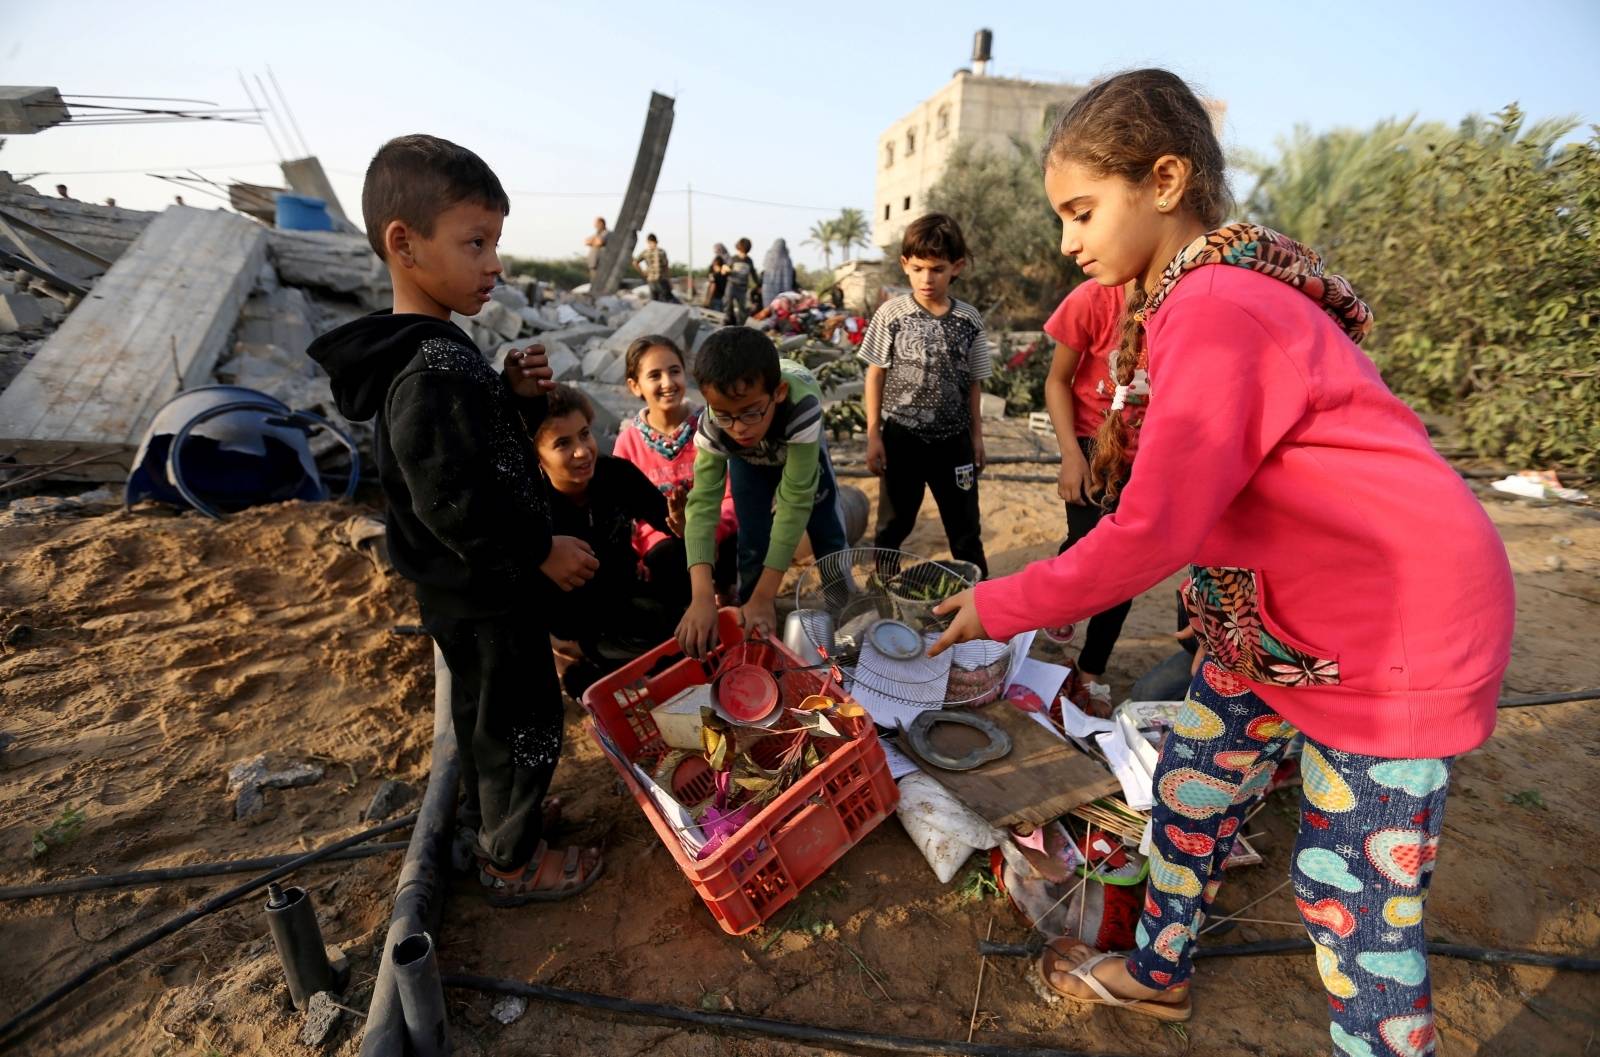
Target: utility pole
689 197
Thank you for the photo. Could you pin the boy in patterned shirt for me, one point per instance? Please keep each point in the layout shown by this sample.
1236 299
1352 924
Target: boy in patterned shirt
927 356
653 264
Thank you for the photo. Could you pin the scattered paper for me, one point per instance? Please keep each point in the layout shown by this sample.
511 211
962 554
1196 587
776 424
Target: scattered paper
1035 684
1080 724
1136 785
900 764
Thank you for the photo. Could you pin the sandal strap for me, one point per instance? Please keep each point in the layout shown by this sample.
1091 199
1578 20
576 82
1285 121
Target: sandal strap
1085 972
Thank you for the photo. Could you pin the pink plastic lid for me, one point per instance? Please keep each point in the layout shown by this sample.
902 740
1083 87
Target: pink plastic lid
747 693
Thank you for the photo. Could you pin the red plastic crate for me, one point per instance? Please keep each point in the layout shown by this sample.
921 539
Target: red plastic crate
792 840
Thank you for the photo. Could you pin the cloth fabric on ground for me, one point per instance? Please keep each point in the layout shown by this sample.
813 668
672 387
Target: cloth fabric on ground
1363 859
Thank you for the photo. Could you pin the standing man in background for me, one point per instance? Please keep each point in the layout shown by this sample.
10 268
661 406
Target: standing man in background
596 243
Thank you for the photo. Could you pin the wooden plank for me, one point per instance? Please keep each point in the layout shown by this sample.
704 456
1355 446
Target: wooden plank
1042 778
155 323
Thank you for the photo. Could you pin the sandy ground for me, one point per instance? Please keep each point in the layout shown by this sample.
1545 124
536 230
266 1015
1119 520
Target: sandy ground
165 647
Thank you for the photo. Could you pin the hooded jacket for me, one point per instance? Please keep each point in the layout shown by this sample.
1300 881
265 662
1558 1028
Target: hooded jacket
468 520
1339 568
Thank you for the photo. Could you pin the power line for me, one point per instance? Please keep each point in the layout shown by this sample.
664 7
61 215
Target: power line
146 168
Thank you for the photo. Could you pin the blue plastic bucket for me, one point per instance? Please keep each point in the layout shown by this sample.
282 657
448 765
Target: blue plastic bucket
303 213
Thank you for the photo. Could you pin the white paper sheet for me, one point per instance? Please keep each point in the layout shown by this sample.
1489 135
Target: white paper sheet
1079 724
676 814
1036 683
900 764
1136 785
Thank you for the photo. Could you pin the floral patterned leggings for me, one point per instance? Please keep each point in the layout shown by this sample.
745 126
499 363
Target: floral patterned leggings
1369 832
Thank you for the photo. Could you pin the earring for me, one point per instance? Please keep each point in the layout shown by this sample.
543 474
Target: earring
1162 204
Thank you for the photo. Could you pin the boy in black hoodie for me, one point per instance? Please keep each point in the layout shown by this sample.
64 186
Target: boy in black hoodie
468 522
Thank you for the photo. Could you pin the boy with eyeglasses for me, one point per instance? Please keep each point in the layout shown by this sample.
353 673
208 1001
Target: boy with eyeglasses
762 431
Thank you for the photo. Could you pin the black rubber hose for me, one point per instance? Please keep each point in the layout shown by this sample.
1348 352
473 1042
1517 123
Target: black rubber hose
162 875
9 1029
779 1029
1446 950
1524 700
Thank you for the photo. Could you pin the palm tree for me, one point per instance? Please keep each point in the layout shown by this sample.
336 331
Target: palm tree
850 230
824 233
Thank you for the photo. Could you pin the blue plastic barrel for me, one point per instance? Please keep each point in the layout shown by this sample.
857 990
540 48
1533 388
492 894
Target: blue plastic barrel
303 213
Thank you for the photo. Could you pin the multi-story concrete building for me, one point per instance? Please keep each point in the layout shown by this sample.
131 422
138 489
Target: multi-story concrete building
972 107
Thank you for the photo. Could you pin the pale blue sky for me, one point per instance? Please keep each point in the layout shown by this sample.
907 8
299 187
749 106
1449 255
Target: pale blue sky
784 106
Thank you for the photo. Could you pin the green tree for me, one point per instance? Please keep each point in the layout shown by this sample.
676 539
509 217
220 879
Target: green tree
1016 274
1478 248
850 231
824 233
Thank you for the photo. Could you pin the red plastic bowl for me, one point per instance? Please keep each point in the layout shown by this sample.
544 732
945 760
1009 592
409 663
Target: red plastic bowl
747 693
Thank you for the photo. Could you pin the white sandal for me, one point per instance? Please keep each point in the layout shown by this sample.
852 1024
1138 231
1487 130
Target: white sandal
1167 1011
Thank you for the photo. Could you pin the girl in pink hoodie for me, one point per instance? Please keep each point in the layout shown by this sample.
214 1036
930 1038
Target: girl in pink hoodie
1344 580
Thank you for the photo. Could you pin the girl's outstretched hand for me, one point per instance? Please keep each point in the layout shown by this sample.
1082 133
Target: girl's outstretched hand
964 627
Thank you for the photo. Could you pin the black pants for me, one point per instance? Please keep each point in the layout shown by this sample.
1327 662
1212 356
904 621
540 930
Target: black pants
738 305
1104 628
661 290
668 564
945 467
507 710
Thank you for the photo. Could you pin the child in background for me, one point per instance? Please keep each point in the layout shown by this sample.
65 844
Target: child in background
743 280
599 499
762 430
927 356
1087 328
1343 578
659 440
468 523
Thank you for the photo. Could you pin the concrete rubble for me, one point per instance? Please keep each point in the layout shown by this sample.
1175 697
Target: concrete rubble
390 797
248 778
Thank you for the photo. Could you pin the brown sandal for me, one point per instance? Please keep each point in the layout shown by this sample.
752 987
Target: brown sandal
1172 1012
531 883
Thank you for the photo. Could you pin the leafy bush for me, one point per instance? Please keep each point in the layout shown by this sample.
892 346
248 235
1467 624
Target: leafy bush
1479 251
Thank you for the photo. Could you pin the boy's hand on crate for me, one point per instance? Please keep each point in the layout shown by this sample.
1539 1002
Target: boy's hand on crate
570 564
697 631
759 616
964 626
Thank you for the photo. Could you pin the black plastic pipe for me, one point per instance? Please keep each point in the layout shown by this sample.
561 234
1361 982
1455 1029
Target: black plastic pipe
292 920
9 1030
779 1029
1446 950
163 875
416 977
420 890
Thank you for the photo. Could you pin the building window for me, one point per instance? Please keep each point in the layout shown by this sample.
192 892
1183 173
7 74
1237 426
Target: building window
942 124
888 155
911 142
908 204
886 208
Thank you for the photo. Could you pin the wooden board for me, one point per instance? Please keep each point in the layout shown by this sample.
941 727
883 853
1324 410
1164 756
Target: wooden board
1042 778
154 324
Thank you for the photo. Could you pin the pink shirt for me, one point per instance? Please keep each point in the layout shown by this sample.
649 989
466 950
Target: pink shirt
1089 322
667 473
1341 568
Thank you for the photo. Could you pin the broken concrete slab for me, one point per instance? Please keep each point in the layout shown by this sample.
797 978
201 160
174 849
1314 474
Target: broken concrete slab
597 361
508 1009
532 319
19 312
156 324
613 404
499 319
247 778
332 261
577 335
322 1017
391 796
992 407
657 317
509 296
